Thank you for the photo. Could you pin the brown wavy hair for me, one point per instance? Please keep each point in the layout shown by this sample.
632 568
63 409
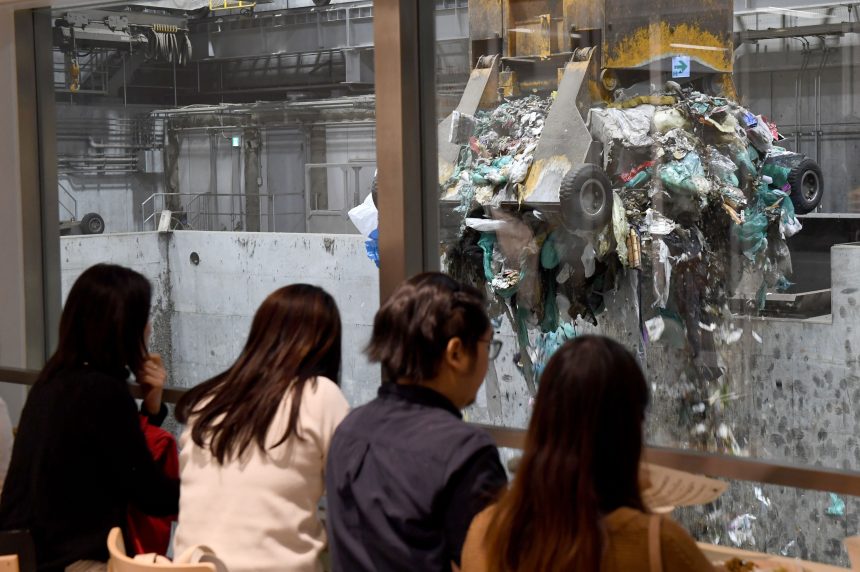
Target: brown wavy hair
295 337
412 328
580 462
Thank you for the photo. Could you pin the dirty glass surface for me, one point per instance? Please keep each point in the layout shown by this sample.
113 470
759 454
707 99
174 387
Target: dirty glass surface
681 177
224 151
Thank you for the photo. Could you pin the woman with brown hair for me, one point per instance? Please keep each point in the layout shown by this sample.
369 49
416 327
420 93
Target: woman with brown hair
253 454
575 503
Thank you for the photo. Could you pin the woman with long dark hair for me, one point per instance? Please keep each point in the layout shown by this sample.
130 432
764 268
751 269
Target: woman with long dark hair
575 503
80 457
253 454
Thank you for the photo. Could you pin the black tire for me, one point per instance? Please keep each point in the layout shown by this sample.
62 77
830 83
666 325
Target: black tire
585 197
807 186
92 223
322 2
374 194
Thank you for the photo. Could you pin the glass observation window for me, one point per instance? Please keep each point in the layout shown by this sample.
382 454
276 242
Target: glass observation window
224 151
680 177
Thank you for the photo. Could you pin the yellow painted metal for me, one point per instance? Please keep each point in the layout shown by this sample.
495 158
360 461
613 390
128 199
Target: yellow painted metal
508 85
481 93
215 5
660 40
531 37
552 168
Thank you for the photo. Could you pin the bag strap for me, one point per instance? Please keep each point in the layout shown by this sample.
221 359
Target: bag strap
654 555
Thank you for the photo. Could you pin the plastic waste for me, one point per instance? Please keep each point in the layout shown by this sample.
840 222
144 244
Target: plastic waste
462 127
655 328
365 217
662 273
740 530
667 119
837 505
721 166
686 175
619 228
519 169
487 242
549 258
760 135
485 225
629 127
777 173
658 224
371 246
639 179
752 233
588 260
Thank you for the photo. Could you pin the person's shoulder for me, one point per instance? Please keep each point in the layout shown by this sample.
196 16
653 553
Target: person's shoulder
483 519
324 395
680 549
326 388
91 382
474 555
672 532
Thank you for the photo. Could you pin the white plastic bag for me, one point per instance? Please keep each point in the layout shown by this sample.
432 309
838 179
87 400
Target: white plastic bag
365 217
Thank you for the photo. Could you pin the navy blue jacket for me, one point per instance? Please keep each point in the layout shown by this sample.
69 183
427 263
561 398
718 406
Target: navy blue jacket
404 478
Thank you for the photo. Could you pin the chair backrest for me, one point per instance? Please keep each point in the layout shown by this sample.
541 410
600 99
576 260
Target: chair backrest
19 543
120 562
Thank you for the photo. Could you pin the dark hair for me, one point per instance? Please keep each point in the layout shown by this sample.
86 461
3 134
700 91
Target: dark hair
103 322
295 337
580 462
412 329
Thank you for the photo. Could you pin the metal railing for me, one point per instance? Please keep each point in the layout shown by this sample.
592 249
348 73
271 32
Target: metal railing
73 210
210 211
318 200
714 465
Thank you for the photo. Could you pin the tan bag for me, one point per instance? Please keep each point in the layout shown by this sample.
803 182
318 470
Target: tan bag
654 555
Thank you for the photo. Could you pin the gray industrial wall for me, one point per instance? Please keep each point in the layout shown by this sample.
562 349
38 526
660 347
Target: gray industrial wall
201 313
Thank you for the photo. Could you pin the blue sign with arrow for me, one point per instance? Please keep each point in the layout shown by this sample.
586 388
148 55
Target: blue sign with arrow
681 66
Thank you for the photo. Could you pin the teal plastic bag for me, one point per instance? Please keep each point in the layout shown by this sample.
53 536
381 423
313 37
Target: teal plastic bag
752 233
487 242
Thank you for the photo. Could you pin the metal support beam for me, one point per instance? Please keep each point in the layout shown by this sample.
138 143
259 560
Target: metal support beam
406 146
39 193
798 32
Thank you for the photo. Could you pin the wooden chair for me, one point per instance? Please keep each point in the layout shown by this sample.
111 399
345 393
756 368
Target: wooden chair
17 545
120 562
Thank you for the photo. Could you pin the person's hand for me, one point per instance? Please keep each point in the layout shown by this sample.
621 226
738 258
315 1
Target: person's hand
151 378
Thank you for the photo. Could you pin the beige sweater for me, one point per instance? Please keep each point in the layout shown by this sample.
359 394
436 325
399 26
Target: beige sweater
627 550
260 512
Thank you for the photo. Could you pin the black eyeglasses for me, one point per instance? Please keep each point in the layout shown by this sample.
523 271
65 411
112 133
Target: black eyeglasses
495 346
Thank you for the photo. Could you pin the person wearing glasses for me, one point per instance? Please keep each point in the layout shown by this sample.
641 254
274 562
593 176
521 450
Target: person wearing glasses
405 474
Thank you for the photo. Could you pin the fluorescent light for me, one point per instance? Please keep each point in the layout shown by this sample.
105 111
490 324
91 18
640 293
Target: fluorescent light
789 12
694 47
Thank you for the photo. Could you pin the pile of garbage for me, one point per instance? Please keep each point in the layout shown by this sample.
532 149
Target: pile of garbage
696 184
701 181
497 149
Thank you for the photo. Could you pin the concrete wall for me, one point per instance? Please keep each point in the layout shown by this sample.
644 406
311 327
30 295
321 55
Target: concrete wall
794 397
202 312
